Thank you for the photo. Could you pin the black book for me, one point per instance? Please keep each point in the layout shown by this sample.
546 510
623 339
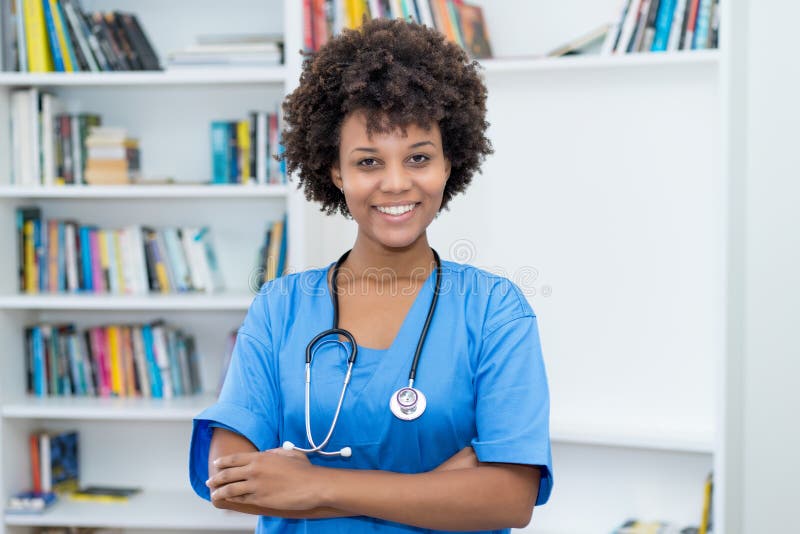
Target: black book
150 258
650 27
29 359
148 53
125 46
113 39
87 25
253 145
136 40
99 32
83 64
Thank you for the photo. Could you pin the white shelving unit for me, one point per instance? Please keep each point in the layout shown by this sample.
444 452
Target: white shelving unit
613 166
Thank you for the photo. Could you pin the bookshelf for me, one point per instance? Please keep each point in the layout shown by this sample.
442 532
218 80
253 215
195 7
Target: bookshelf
613 225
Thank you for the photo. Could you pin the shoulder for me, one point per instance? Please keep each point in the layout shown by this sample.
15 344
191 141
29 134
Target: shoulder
277 298
497 298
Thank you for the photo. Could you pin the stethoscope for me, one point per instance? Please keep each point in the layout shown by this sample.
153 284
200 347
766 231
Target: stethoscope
407 403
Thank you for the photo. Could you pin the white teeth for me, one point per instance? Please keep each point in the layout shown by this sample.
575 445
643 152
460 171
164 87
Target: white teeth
395 210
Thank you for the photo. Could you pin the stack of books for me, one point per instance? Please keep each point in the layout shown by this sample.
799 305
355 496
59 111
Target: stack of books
460 22
663 25
260 50
272 255
57 256
112 158
57 35
48 145
150 360
242 151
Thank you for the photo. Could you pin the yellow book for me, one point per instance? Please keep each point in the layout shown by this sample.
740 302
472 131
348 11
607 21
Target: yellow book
38 49
61 33
31 273
117 385
359 8
273 254
120 265
243 142
706 504
105 265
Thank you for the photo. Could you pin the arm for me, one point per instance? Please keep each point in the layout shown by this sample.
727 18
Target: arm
223 443
489 496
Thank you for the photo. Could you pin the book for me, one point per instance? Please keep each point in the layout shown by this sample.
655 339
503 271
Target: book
475 33
104 493
587 43
30 502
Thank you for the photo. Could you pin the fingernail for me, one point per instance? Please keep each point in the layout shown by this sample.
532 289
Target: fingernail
216 462
208 482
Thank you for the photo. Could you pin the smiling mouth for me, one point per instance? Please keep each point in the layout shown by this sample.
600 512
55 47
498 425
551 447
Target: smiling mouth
397 210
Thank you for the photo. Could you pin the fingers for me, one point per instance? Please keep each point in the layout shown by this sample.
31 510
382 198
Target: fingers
229 491
226 476
235 460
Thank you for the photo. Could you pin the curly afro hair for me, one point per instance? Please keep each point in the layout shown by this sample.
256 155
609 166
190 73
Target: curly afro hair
398 73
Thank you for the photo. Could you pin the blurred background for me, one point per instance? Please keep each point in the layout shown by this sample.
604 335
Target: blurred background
641 195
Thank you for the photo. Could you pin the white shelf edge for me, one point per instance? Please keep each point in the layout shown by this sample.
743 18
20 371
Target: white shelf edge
520 64
198 76
188 302
151 509
634 437
143 191
118 408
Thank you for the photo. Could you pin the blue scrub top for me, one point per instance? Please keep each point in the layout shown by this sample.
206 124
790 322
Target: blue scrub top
481 370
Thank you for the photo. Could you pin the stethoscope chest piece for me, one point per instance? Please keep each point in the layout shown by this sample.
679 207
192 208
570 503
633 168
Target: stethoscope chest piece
408 403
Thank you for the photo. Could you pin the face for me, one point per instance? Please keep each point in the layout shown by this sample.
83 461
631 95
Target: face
393 184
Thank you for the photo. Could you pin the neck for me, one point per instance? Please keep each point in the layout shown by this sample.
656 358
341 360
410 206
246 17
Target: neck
412 260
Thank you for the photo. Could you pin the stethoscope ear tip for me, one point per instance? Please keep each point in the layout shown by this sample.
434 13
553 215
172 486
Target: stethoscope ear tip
346 452
288 446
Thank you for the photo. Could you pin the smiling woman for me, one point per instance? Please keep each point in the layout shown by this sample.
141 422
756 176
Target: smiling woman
429 405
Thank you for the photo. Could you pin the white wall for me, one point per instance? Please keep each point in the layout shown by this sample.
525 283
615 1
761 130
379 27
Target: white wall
768 279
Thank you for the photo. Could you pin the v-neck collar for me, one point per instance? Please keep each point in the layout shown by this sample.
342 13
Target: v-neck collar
423 298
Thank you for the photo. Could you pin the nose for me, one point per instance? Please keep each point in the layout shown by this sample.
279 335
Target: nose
395 179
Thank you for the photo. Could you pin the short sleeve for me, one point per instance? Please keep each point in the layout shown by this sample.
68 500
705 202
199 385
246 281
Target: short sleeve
248 402
512 409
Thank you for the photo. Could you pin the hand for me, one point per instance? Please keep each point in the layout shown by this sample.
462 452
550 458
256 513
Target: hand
463 459
277 479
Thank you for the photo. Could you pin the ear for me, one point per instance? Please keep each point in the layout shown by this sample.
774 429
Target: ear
336 176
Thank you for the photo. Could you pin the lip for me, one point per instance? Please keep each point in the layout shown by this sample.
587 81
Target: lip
396 218
399 203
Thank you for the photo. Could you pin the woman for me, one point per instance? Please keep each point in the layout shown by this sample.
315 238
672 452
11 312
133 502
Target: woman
386 126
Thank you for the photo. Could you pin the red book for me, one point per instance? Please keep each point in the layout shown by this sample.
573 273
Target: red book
36 474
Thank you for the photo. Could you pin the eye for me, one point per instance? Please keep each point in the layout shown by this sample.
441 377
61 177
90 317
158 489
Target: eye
416 158
368 162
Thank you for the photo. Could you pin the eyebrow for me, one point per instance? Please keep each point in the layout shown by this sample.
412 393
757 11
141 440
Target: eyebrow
375 150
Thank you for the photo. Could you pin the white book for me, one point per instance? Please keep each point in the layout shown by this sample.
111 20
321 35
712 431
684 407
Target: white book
50 108
125 253
20 139
46 475
113 266
425 14
616 26
261 147
374 9
35 134
339 16
397 8
21 48
162 360
674 42
70 254
142 283
628 27
195 269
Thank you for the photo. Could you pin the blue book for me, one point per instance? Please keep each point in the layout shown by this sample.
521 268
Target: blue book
702 25
174 363
39 371
70 50
62 259
40 244
666 10
86 257
58 60
233 154
282 253
220 153
156 386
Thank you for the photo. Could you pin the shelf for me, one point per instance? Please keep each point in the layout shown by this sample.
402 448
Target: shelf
152 509
523 64
117 409
635 436
175 191
199 76
188 302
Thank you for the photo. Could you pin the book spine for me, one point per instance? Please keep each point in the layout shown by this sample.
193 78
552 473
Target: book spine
77 31
62 258
152 62
663 25
154 374
677 26
50 25
691 20
700 41
641 24
64 44
141 362
220 152
262 152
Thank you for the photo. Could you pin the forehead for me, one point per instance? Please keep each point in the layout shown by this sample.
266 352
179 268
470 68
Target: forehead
354 130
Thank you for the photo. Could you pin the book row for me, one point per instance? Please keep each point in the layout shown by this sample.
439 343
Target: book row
48 146
152 360
58 36
242 151
54 461
58 256
664 25
460 22
272 254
